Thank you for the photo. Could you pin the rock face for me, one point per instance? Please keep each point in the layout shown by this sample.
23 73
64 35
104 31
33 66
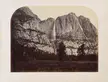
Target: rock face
28 30
68 27
74 31
89 29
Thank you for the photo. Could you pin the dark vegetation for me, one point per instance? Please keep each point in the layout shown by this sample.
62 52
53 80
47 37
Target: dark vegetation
22 53
56 66
21 56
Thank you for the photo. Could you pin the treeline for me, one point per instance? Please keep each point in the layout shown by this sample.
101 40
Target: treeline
21 53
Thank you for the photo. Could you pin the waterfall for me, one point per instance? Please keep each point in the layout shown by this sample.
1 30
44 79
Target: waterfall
54 39
54 33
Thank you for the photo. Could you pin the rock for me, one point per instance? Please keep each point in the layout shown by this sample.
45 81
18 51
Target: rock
88 28
28 30
74 31
68 27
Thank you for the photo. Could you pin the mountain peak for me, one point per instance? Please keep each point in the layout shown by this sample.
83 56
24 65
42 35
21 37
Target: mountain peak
50 18
71 13
84 18
27 11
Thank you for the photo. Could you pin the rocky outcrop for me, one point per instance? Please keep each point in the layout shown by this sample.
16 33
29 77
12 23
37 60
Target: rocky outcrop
69 28
89 29
28 30
74 31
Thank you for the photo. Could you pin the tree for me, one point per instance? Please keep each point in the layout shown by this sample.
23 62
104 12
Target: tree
61 51
81 52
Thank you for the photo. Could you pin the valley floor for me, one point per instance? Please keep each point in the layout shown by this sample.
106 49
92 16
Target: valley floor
56 66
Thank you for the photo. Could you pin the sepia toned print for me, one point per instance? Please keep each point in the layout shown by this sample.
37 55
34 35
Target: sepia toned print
67 43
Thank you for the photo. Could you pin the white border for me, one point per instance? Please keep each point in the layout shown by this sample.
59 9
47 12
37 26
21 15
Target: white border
7 7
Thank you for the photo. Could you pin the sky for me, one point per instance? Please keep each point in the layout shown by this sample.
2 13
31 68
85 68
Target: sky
44 12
